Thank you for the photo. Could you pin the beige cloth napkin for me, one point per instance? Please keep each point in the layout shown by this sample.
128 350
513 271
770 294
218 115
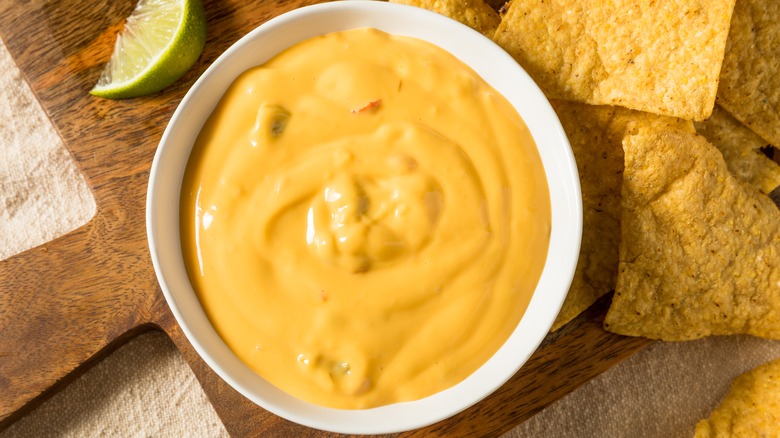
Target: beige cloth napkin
146 389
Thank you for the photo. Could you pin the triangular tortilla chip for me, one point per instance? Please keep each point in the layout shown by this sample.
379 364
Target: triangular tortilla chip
750 409
476 14
596 134
741 148
662 57
700 250
750 77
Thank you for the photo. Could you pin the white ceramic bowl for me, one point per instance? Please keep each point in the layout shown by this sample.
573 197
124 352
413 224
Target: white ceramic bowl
490 62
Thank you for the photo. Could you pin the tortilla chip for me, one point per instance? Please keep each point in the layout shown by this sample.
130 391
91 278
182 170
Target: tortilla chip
700 250
750 409
596 134
750 76
741 148
476 14
662 57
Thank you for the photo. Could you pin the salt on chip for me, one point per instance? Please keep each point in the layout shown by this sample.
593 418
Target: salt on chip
659 56
741 148
750 76
700 250
476 14
595 134
750 409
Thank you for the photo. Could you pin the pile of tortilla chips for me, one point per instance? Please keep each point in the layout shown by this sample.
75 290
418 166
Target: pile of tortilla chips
677 220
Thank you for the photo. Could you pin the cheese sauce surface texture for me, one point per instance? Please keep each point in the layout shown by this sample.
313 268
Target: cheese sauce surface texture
364 219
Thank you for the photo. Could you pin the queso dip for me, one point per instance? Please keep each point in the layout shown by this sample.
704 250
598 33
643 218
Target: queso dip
364 219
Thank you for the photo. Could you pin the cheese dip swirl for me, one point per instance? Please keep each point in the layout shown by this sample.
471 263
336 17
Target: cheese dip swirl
364 219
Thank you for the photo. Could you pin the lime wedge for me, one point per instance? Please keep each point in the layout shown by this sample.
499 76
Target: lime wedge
160 42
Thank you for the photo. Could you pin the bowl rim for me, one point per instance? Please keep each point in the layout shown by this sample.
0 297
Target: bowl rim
475 50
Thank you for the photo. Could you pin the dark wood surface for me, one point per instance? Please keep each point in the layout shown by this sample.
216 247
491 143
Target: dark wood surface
66 304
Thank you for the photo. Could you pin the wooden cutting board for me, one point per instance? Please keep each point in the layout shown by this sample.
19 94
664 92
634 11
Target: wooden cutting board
68 303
